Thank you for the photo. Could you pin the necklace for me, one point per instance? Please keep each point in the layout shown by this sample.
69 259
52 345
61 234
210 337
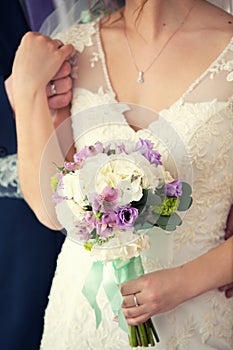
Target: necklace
141 72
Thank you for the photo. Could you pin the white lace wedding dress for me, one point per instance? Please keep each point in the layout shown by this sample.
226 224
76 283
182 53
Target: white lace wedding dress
203 119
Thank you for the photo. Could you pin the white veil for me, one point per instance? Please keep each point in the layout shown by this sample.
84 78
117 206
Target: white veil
226 5
68 12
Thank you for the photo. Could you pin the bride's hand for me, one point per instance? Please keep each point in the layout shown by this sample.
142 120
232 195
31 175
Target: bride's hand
63 88
37 61
155 293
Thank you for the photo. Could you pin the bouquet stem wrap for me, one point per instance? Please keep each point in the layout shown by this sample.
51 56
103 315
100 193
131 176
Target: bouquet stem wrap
141 335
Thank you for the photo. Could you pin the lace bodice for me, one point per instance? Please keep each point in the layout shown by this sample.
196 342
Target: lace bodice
202 120
202 117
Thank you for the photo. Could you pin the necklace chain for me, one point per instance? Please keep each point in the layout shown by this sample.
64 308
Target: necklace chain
140 78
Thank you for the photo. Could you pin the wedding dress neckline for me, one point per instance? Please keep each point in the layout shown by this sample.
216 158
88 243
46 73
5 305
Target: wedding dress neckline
180 99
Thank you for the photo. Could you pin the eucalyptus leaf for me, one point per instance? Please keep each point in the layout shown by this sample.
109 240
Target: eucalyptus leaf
185 199
169 223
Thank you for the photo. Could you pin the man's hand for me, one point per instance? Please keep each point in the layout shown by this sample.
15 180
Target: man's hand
228 289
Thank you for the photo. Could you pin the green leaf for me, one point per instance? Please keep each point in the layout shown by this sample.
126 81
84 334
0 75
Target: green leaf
185 199
54 182
169 223
154 199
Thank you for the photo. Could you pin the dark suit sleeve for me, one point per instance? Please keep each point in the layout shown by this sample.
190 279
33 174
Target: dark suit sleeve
7 124
28 250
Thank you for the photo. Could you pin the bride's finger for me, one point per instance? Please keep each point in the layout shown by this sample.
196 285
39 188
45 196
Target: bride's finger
138 320
136 315
132 300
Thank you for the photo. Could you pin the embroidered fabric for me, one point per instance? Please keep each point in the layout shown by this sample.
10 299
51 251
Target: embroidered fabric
9 183
203 118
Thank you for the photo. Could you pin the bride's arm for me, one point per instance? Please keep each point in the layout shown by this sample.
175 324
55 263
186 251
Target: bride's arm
163 290
37 61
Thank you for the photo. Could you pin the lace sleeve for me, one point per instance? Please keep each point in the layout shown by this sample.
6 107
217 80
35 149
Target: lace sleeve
9 183
79 35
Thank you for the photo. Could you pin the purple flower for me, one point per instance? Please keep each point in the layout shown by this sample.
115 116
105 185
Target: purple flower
126 217
57 198
106 223
96 201
154 157
110 194
90 218
70 166
105 202
145 147
173 189
88 151
120 149
109 219
83 233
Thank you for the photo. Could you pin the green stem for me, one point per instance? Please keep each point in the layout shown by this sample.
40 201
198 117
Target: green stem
143 335
132 337
149 334
153 330
138 336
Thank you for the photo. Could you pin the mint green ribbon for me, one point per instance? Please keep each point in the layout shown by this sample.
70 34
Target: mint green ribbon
124 271
128 270
91 287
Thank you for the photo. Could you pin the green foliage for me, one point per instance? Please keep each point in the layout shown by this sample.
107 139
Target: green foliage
54 182
185 199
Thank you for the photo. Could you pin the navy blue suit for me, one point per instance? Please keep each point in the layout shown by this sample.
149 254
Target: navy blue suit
28 250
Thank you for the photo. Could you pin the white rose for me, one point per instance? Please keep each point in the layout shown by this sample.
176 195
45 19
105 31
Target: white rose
71 188
117 173
89 172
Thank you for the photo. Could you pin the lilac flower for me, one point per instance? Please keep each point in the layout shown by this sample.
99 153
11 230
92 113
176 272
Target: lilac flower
90 219
126 217
88 151
110 194
86 226
105 202
96 202
83 232
109 219
70 166
56 198
173 189
107 149
120 149
154 157
145 147
106 223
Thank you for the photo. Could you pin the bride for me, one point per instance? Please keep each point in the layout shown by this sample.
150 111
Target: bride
173 57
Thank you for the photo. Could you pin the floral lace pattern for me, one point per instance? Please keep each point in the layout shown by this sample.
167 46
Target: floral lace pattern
206 128
9 183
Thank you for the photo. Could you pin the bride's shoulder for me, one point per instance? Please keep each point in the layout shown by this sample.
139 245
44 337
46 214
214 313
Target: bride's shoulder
214 19
212 27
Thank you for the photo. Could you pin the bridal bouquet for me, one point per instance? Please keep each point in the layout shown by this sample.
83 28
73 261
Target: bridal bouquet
113 193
